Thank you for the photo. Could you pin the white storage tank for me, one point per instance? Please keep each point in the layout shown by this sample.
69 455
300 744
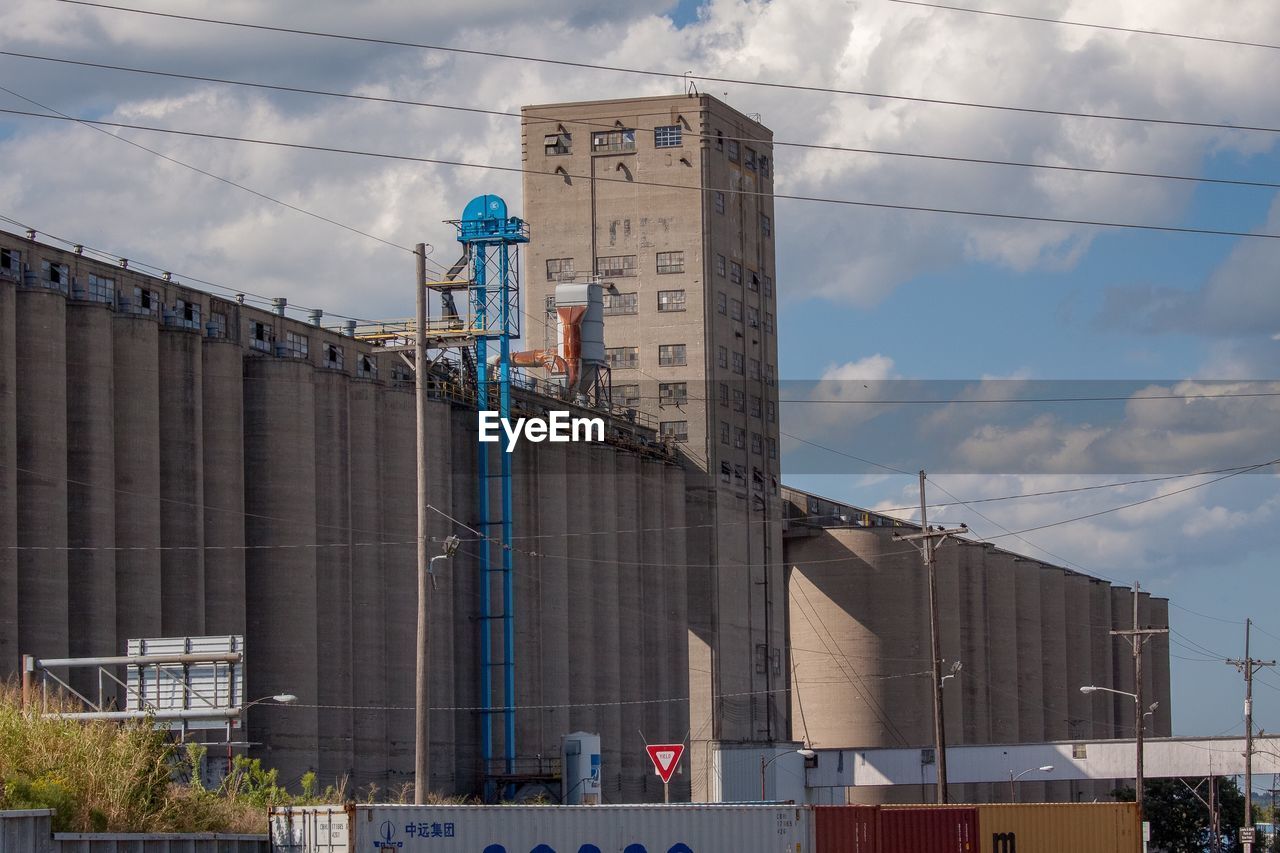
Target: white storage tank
580 769
543 829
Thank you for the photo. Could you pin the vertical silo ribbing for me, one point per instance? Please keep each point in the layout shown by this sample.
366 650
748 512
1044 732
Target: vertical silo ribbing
91 505
280 563
135 351
181 507
40 336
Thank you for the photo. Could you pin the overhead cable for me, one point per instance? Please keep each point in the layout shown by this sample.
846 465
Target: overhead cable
671 75
775 143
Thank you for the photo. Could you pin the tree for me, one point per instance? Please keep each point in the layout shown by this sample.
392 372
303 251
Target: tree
1179 820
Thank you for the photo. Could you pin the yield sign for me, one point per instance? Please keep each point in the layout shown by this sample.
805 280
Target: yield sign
665 758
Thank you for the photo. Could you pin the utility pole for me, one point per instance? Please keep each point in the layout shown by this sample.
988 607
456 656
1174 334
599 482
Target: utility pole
1248 666
926 539
422 718
1215 839
1137 638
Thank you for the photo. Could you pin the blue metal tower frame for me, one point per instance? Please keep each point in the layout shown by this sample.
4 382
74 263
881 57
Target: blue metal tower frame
492 238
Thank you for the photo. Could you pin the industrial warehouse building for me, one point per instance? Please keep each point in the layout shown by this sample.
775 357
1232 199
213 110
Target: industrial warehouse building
177 463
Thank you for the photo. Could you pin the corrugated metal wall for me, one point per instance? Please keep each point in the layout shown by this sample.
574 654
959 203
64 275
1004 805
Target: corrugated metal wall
30 831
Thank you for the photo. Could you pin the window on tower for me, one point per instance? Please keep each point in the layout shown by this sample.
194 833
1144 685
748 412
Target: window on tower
557 143
670 262
667 136
608 141
559 269
620 303
671 355
617 265
670 300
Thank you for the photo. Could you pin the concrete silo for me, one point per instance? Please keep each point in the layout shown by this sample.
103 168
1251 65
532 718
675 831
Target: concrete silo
1030 685
369 665
40 340
675 683
91 489
181 508
464 588
532 738
333 579
398 482
1122 660
1162 720
551 489
653 647
1002 652
971 682
1148 669
442 619
1101 706
950 622
135 357
1053 654
860 638
9 649
635 764
583 650
606 680
222 440
1079 666
280 563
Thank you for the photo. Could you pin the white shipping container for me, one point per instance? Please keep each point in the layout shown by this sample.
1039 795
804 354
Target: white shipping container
543 829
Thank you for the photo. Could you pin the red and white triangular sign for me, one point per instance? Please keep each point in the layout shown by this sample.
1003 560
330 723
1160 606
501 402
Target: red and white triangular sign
665 758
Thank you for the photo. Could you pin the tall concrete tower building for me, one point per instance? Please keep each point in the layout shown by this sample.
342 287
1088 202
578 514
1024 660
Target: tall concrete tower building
669 201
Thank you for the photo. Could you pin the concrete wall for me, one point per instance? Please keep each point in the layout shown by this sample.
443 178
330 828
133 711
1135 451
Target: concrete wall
1029 635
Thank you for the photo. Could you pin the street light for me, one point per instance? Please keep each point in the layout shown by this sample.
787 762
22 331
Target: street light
1046 768
279 699
1139 724
806 752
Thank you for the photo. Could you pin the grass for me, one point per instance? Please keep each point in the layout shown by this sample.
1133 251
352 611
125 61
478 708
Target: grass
130 777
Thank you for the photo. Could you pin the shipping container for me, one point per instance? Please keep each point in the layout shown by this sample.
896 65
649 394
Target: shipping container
543 829
846 829
926 829
1054 827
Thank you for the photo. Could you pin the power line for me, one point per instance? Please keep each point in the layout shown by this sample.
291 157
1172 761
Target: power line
1109 27
670 75
1138 503
589 123
1092 223
1002 400
1049 492
227 181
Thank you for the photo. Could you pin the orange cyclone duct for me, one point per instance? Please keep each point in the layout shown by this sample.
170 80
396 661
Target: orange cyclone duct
571 340
547 358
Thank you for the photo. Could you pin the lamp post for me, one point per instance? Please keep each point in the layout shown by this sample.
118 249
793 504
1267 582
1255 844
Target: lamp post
1139 724
1012 778
806 752
278 698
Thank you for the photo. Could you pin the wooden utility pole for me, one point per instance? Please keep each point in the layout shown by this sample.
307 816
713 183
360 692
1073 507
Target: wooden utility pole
422 705
1137 638
926 539
1248 666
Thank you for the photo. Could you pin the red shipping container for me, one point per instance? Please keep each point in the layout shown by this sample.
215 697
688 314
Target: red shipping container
928 830
847 829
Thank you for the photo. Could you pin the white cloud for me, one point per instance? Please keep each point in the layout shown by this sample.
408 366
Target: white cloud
872 368
856 254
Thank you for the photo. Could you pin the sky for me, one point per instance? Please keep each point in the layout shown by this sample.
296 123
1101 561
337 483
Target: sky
897 328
